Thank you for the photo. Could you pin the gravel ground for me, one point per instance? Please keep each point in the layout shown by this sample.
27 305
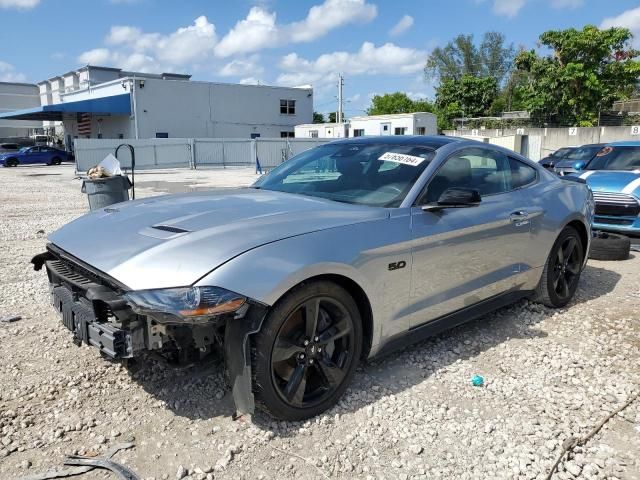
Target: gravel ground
549 375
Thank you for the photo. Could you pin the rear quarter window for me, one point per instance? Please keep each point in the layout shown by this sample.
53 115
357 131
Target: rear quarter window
521 173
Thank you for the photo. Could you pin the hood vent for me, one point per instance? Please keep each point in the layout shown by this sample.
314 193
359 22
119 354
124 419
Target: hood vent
170 228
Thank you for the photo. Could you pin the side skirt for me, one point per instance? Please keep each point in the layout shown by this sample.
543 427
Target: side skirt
433 327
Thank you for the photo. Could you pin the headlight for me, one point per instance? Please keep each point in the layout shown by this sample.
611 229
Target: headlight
185 302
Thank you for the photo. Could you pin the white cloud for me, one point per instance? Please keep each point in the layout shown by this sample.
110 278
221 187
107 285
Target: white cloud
256 31
404 24
329 15
133 49
22 4
566 3
507 8
259 30
8 73
628 19
242 67
369 60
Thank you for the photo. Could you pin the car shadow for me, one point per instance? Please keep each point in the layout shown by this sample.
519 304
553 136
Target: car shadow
201 392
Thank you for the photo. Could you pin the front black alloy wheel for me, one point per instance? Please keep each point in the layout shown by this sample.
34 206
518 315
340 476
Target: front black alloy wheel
562 271
307 351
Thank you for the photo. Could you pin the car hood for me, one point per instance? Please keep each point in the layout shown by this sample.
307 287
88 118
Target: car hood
613 181
175 240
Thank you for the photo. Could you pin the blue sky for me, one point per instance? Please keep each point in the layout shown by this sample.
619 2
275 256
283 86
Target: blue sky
379 45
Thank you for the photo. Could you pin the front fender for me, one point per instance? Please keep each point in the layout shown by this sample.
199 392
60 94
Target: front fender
361 253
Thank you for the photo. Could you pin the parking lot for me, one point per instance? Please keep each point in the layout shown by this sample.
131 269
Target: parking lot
549 375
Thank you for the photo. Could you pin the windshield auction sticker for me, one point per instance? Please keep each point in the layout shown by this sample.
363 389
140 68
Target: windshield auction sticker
402 158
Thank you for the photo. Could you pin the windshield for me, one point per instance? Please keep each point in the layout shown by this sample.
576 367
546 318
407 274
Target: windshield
561 153
24 149
616 158
376 175
583 153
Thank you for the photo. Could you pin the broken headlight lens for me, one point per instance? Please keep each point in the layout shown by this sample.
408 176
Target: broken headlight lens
185 302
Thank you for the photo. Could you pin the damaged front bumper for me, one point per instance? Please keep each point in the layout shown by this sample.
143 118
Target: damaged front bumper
93 307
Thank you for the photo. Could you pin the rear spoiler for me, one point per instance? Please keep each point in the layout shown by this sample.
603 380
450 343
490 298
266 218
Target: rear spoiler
572 178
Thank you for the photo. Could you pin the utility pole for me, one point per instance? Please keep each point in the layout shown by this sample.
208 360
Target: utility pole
340 101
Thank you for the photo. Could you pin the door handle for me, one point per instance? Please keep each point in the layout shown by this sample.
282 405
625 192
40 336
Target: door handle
519 218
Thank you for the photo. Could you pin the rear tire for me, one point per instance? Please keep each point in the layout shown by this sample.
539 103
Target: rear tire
609 246
306 353
56 161
562 270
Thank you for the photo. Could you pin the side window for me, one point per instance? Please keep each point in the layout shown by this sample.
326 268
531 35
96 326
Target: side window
484 170
521 173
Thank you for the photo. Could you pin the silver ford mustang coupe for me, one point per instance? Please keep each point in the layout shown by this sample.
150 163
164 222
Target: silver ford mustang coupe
345 252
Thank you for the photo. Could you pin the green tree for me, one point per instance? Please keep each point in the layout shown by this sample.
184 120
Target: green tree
491 58
318 117
468 96
332 117
397 102
586 71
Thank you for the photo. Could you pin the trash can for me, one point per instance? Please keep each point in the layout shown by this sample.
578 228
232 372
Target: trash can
106 191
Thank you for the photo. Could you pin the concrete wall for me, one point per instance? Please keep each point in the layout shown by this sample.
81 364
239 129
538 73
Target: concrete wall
540 142
16 96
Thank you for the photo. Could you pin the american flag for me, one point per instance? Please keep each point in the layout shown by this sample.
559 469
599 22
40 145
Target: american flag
84 124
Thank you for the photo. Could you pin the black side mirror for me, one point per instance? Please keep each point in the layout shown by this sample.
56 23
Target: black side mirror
455 197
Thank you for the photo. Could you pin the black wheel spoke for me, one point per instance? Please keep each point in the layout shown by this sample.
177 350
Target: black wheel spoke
573 268
556 278
569 247
295 387
284 349
311 312
336 331
564 286
560 256
331 373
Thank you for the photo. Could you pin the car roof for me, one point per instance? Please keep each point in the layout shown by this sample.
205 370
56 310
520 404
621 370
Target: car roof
592 145
627 143
426 140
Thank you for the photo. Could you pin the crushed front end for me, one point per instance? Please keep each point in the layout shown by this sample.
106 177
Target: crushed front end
183 325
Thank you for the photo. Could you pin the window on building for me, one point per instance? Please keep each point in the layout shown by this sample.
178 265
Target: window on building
421 131
358 132
400 131
255 135
313 133
288 107
121 136
162 135
287 134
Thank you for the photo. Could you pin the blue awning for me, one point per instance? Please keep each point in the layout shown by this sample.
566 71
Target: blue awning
115 105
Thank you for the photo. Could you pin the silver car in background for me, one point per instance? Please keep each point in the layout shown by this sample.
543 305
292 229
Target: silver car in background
345 252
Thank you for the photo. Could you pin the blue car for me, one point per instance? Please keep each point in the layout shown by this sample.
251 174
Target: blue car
614 177
34 155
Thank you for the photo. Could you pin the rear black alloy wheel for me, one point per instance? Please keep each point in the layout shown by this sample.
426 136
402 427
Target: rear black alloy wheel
56 161
562 271
566 268
313 342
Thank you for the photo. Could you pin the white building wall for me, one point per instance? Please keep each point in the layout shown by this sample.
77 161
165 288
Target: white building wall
18 96
374 124
322 130
202 109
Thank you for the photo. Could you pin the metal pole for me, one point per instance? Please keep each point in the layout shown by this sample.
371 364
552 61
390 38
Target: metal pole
135 107
133 167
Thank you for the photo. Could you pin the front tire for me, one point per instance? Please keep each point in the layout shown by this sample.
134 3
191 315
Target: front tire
307 351
11 162
562 270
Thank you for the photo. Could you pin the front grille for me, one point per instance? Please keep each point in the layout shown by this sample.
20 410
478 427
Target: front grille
67 272
616 204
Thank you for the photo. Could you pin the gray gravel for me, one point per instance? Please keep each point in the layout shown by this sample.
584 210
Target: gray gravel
549 375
